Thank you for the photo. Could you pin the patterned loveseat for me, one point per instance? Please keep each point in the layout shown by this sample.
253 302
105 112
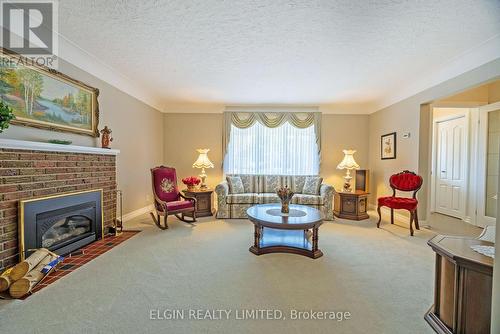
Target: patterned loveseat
261 189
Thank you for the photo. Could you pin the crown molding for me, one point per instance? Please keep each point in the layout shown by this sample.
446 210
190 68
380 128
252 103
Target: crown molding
75 55
271 108
482 54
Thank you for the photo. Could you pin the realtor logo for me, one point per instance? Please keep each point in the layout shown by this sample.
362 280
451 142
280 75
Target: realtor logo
29 28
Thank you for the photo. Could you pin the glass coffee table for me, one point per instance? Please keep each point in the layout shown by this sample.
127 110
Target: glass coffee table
276 232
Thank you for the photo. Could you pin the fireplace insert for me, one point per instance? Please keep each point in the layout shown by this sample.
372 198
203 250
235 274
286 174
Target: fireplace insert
61 223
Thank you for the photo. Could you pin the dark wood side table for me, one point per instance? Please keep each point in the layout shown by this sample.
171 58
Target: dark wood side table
203 201
352 205
463 284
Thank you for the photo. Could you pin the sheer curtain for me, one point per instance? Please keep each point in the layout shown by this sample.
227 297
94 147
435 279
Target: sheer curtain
285 150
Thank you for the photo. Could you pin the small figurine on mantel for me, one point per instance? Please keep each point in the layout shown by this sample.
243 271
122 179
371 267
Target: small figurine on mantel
106 137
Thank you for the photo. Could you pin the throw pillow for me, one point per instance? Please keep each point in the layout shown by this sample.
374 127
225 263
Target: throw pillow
235 185
312 185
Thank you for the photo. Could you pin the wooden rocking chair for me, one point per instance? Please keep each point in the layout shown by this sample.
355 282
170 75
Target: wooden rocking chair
168 200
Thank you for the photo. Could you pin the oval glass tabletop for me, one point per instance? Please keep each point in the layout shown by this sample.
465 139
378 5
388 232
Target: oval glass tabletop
299 217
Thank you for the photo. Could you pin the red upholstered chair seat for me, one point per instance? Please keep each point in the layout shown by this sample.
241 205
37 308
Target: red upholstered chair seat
178 205
409 204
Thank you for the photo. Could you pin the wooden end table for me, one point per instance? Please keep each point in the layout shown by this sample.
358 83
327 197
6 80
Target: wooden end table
351 205
203 201
276 232
462 286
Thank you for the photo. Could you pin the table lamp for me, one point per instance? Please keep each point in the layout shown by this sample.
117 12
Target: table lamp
348 163
203 162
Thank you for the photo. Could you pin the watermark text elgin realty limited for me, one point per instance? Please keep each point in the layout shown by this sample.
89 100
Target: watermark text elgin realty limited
247 314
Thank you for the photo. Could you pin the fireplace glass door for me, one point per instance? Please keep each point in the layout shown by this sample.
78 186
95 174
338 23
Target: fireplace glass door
66 229
61 223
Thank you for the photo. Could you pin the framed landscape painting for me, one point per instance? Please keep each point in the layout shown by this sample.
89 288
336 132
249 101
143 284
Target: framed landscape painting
388 146
47 99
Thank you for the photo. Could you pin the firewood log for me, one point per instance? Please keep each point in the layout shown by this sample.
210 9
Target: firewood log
5 280
22 268
24 285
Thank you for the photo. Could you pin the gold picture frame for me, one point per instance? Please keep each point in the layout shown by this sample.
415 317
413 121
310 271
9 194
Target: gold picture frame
75 110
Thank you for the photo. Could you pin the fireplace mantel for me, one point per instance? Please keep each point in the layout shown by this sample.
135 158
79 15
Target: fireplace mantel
48 147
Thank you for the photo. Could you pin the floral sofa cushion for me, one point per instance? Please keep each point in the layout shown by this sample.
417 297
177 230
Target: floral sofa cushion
235 185
266 198
305 199
250 182
246 198
270 183
312 185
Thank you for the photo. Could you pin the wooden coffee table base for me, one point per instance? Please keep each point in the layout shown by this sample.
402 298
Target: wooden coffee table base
269 240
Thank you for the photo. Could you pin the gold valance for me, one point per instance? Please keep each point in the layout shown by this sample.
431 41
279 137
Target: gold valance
245 120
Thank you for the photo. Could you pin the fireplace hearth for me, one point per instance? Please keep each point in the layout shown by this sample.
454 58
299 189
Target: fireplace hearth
61 223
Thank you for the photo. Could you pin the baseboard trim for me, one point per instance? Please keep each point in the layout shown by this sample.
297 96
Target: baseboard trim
136 213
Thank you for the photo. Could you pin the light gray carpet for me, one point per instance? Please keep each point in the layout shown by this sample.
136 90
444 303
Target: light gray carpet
383 277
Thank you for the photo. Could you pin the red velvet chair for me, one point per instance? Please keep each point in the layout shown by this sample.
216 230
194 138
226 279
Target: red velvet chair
167 198
404 181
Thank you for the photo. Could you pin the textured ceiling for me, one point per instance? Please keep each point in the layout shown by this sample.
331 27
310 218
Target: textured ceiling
279 52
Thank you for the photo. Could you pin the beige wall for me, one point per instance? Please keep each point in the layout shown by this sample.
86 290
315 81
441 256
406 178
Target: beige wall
340 132
405 116
184 133
494 92
477 94
137 131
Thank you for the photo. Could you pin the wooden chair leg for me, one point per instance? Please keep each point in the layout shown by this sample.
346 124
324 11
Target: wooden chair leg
379 216
392 216
416 220
157 221
165 221
154 218
411 223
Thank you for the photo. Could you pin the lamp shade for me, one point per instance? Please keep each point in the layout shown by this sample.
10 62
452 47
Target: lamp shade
203 161
348 162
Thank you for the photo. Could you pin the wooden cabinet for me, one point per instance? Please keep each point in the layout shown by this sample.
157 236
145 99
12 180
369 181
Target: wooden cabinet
351 205
203 201
463 287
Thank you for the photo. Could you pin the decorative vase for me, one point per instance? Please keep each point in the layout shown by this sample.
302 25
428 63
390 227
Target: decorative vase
285 194
285 207
191 187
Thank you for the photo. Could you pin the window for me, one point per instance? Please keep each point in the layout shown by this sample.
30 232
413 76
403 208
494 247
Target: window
285 150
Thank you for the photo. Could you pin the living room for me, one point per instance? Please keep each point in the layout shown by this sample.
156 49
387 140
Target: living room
205 166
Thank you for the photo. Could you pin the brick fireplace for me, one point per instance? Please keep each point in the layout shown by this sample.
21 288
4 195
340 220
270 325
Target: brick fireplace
35 170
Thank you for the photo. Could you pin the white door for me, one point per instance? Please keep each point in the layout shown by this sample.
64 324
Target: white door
488 163
451 168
